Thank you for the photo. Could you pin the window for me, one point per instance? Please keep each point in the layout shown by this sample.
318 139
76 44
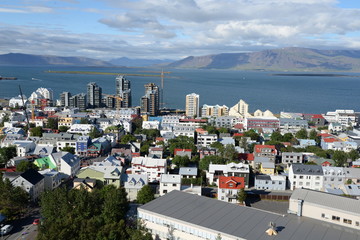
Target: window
323 215
174 184
301 177
347 221
357 224
335 218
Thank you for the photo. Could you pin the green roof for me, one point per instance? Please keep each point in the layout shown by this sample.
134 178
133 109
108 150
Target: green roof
45 162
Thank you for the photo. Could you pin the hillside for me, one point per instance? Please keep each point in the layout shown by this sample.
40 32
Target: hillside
124 61
19 59
284 59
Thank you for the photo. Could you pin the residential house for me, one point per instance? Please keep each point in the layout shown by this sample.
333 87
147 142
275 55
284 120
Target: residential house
156 152
267 168
23 147
292 157
168 183
84 183
292 125
106 174
181 130
335 127
207 152
52 179
270 182
306 176
31 181
228 170
153 167
133 184
268 151
82 144
188 172
205 140
182 152
229 187
334 177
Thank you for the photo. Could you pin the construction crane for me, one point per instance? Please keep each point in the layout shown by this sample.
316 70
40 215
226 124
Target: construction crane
162 84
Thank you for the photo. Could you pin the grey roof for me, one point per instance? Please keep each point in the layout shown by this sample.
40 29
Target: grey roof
307 169
243 222
263 177
335 202
191 171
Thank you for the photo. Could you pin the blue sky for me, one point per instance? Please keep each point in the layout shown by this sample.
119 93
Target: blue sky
173 29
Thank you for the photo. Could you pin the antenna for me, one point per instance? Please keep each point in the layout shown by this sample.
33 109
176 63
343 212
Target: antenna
24 107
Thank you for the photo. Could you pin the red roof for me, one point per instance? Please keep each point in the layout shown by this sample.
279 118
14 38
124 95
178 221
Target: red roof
330 140
246 156
258 147
317 116
239 126
238 135
231 182
182 150
9 169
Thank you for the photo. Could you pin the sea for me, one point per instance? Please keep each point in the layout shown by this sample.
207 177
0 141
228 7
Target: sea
260 89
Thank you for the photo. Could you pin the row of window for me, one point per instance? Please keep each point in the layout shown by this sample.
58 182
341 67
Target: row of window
345 220
307 177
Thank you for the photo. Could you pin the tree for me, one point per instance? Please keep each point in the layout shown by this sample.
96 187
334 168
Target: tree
7 153
144 149
182 142
340 158
36 131
63 128
5 119
52 123
229 152
223 130
252 134
205 161
68 149
301 134
13 200
353 155
181 161
276 136
94 133
127 138
84 121
145 195
26 165
241 196
288 137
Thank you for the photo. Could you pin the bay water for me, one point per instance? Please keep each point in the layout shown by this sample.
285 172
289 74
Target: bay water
260 89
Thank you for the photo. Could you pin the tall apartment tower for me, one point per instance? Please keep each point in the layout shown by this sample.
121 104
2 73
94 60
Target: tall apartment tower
150 101
78 101
192 105
65 99
94 95
123 90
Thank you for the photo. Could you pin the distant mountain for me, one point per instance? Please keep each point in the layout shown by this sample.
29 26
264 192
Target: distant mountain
124 61
43 60
284 59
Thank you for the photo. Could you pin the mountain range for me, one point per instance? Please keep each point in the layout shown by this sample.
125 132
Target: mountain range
284 59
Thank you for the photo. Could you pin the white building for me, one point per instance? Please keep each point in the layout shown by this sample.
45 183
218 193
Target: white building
153 167
83 129
214 111
24 147
306 176
241 109
134 183
228 170
270 182
334 177
169 182
205 140
17 101
192 105
151 125
326 207
344 117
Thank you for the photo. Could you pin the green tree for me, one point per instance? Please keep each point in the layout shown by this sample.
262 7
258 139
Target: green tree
144 149
252 134
276 136
205 161
241 196
181 161
301 134
127 138
288 137
36 131
68 149
5 119
95 133
84 121
63 128
26 165
52 123
223 130
145 195
229 152
7 153
340 158
218 145
182 142
353 155
137 125
13 200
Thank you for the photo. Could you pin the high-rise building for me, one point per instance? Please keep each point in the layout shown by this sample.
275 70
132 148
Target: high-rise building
94 93
78 101
150 101
123 90
65 99
192 105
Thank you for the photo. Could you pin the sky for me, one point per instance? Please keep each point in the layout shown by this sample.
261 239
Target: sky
174 29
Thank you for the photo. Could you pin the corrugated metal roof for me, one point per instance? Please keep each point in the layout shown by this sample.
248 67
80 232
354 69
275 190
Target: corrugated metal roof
243 222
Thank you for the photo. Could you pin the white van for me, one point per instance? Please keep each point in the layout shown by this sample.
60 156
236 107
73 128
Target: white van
6 229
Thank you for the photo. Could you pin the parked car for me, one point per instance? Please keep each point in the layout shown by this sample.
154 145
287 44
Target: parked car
36 221
6 229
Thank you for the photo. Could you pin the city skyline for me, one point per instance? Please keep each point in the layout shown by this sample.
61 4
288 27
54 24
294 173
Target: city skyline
175 29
